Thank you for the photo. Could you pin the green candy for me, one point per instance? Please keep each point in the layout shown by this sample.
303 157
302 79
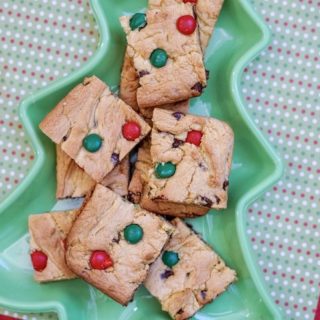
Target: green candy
138 20
165 170
170 258
92 142
133 233
158 58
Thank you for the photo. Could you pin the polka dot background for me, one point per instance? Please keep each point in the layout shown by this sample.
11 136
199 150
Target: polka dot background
44 40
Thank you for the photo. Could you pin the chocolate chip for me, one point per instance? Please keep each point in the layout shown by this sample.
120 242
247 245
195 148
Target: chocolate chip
162 197
65 138
217 199
203 294
180 311
207 74
131 196
203 166
166 274
188 274
198 87
115 159
206 201
178 115
143 73
225 185
177 143
117 239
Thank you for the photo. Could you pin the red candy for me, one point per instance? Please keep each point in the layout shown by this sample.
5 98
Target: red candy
186 24
100 260
191 1
194 137
131 130
39 260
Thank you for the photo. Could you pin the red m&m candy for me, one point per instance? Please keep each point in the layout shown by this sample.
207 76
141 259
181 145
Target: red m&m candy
194 137
131 130
100 260
39 260
186 24
191 1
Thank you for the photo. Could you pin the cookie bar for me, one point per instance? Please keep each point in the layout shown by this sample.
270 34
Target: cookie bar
191 158
140 173
188 275
73 182
207 12
181 106
48 232
129 83
113 242
169 62
139 192
94 127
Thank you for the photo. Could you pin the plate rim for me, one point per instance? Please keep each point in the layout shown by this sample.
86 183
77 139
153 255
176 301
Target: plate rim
243 203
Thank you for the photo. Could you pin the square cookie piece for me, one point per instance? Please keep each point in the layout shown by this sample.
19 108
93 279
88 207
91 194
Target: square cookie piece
207 14
73 182
188 275
48 233
94 127
169 62
139 192
191 158
113 242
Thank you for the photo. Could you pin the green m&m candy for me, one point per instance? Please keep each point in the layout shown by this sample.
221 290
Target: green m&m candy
170 258
92 142
133 233
165 170
159 58
138 20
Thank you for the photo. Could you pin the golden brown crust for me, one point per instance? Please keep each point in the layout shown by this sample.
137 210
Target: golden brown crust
118 179
171 209
140 174
201 171
100 227
197 279
48 232
92 108
184 75
73 182
129 83
207 12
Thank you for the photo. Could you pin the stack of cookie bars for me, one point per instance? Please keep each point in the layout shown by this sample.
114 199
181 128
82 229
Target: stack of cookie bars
122 236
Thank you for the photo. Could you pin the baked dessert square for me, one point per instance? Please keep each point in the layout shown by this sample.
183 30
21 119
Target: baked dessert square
94 127
167 58
191 158
129 83
73 182
140 174
48 232
207 12
138 190
113 242
188 274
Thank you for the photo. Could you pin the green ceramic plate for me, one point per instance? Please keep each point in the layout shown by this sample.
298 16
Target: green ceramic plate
239 36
